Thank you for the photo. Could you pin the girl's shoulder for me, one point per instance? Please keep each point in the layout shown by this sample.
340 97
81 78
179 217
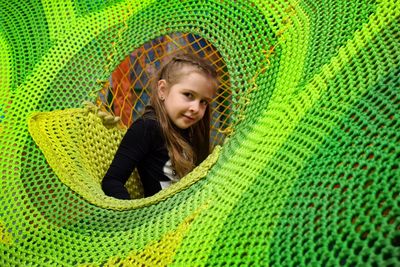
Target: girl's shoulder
147 130
149 114
148 122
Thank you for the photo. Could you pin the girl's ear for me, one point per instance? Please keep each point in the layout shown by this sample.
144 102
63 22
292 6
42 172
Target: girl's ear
162 89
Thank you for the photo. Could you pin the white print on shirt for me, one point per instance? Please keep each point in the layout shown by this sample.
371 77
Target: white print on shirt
170 173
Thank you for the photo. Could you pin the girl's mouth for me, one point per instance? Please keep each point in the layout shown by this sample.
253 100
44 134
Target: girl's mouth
188 117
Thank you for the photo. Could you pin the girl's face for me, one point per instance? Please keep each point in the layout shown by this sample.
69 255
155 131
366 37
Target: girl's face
186 101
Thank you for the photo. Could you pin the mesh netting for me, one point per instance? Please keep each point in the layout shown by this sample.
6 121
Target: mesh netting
307 175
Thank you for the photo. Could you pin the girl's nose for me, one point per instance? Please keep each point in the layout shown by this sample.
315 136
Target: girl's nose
195 106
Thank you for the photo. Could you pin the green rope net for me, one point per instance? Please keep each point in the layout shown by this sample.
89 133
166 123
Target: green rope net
307 173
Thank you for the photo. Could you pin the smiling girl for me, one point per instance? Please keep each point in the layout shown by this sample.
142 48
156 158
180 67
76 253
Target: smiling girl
172 136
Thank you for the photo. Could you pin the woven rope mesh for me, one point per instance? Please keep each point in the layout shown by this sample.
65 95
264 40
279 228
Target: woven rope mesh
308 174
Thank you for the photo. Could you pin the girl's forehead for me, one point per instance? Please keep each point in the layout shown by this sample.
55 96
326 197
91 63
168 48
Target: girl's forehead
186 71
197 83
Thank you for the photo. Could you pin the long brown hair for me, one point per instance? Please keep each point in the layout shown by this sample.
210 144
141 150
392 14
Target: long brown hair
184 156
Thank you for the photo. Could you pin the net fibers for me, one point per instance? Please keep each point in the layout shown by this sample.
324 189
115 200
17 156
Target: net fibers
308 176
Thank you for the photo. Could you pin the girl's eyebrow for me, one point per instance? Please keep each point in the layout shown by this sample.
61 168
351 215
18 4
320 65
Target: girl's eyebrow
208 99
195 93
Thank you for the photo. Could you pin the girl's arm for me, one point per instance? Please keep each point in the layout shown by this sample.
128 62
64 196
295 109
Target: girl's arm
132 149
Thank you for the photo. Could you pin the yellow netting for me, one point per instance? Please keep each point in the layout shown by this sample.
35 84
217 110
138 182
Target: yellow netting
80 148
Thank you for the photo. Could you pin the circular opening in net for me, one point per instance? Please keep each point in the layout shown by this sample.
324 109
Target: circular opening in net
130 83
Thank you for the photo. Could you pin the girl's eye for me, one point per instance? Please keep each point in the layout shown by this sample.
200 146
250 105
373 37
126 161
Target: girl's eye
188 95
204 102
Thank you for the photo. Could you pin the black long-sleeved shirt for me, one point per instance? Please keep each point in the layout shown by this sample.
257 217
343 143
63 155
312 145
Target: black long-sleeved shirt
143 147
